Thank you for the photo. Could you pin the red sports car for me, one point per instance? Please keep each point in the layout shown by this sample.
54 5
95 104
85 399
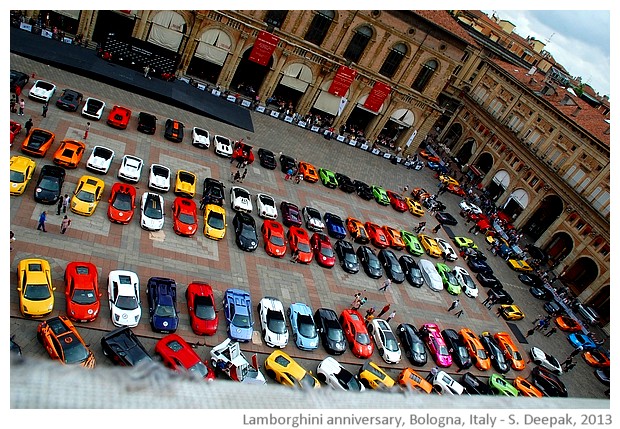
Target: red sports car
122 203
176 354
356 333
16 127
242 152
377 235
201 308
398 203
456 189
119 117
184 217
429 157
273 236
298 240
82 291
394 239
323 250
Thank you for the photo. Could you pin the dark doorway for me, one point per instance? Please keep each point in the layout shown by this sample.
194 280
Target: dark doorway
513 209
549 210
288 95
495 190
600 303
559 247
112 22
485 162
359 119
465 152
453 135
204 70
249 75
580 275
62 22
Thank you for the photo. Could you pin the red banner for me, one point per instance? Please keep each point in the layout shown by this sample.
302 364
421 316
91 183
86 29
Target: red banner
263 48
342 81
377 96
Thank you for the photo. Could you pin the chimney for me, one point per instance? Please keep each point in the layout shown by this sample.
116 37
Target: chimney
576 112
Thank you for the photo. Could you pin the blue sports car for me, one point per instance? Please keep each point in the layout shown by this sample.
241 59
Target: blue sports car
579 340
305 334
162 298
437 167
238 312
335 226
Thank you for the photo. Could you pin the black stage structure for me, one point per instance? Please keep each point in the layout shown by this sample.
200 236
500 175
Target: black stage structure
85 62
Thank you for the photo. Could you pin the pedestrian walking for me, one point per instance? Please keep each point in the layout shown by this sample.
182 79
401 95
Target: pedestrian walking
28 125
42 219
386 284
370 313
567 361
454 304
363 301
540 325
391 316
356 300
86 130
203 202
289 174
237 177
59 205
499 311
65 203
459 313
22 105
299 178
537 319
66 223
44 113
437 228
491 302
232 176
576 351
420 227
405 189
551 332
384 310
12 239
239 161
570 366
530 332
245 173
295 256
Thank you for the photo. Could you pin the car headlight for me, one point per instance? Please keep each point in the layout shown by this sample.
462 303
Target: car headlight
117 317
50 307
137 318
73 204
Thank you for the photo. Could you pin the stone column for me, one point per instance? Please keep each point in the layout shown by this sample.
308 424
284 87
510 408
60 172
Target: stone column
430 118
141 29
228 71
350 106
269 83
190 44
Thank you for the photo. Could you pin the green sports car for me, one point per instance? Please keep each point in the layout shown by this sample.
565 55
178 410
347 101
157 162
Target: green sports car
412 243
328 178
447 277
500 386
464 242
380 195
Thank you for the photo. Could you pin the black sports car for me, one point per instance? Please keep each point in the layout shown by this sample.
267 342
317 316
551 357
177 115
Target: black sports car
331 333
479 266
267 159
548 383
287 163
457 348
174 131
345 183
411 270
69 100
446 218
531 280
245 232
147 123
391 266
553 308
501 296
18 79
474 386
124 348
489 280
540 293
213 190
412 344
49 184
363 190
369 262
346 256
498 360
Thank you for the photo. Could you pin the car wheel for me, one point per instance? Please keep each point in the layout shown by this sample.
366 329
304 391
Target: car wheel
214 364
271 373
39 338
321 377
105 352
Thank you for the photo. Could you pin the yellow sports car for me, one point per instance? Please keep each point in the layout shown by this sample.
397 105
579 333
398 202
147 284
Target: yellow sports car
22 169
511 312
374 377
215 222
430 245
34 284
87 194
414 207
283 369
447 180
185 184
519 265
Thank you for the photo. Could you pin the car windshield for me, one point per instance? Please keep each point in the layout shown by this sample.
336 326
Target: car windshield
482 354
469 282
266 200
165 311
215 220
214 192
374 263
335 334
204 308
241 193
122 202
187 178
36 292
349 256
362 338
306 327
248 232
200 369
86 196
74 350
161 171
307 381
390 343
303 247
44 85
152 209
451 278
84 296
241 321
186 218
17 176
442 350
346 380
275 322
417 347
327 252
276 240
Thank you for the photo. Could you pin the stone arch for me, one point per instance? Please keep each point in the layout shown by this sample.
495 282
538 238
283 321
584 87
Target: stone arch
453 134
580 274
559 247
499 184
167 29
250 74
466 151
484 163
549 209
516 203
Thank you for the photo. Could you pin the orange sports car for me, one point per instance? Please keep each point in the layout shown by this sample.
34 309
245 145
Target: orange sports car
568 324
474 347
308 171
394 239
69 153
63 342
357 230
376 235
298 240
426 155
38 142
596 358
512 354
411 380
526 388
420 194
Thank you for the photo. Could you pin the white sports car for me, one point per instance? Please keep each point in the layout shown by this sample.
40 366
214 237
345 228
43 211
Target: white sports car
124 298
446 248
223 146
240 199
385 340
273 323
331 372
100 159
227 353
131 169
465 281
201 138
42 91
159 177
313 219
266 206
545 360
464 205
152 211
93 108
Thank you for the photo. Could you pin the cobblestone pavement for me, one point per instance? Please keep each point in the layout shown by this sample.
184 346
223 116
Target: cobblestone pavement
223 264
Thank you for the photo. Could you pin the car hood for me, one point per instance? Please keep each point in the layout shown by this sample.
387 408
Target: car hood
98 162
40 92
241 334
126 317
46 196
279 340
242 202
167 324
153 224
159 181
